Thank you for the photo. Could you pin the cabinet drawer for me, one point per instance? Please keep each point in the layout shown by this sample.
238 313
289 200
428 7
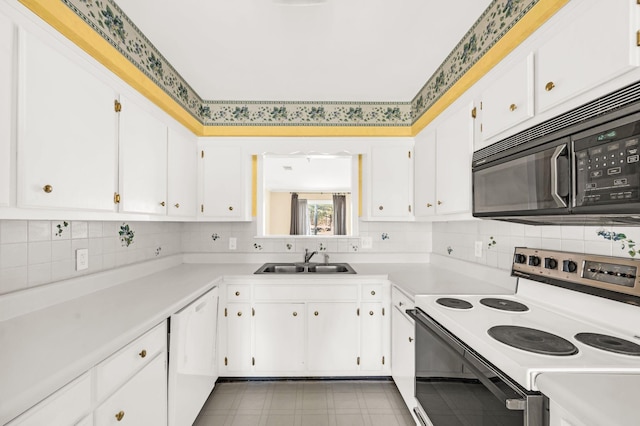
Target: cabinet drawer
141 401
401 300
237 292
64 407
116 369
306 293
372 292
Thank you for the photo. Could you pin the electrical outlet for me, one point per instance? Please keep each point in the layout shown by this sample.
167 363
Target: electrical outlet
82 259
233 243
366 242
478 249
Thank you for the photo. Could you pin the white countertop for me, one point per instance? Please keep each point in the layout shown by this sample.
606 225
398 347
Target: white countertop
595 399
43 350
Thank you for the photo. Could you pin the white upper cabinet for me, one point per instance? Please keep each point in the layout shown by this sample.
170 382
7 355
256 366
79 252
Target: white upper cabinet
597 44
453 162
425 173
7 41
225 184
66 132
143 161
509 99
391 181
182 174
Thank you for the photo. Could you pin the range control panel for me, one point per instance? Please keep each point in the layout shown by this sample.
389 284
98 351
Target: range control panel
611 273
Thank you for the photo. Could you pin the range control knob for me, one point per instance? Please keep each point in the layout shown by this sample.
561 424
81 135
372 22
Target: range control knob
534 261
520 258
550 263
569 266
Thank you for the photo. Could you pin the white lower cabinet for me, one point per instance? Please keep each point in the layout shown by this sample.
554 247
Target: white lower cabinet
403 347
141 401
305 329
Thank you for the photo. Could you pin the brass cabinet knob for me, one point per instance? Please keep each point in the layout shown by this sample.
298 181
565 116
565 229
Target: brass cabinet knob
316 313
373 293
177 205
47 188
513 107
162 203
116 198
381 208
230 208
295 314
549 86
239 313
439 202
237 293
370 312
429 205
143 353
120 416
410 339
400 304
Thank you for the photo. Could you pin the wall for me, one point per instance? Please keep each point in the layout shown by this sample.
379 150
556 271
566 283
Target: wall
457 239
34 253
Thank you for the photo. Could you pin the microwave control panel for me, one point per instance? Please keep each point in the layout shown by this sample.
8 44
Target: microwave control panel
607 169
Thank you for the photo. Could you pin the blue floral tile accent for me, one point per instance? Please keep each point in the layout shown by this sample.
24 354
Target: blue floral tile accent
215 237
384 236
322 247
126 235
60 228
354 247
449 250
626 243
288 246
492 242
257 246
158 250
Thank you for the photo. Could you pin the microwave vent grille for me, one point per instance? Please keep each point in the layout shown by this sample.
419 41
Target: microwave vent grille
570 121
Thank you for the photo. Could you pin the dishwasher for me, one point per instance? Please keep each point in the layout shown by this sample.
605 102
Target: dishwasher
192 358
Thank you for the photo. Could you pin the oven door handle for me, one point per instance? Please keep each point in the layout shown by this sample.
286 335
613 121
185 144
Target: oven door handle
555 183
510 403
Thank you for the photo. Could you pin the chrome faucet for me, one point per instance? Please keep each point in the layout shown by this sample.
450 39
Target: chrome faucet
326 258
308 256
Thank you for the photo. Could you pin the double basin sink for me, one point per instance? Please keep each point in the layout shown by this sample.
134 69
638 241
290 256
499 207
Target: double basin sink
305 268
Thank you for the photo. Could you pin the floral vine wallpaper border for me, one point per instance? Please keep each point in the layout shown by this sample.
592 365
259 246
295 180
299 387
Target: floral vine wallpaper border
112 24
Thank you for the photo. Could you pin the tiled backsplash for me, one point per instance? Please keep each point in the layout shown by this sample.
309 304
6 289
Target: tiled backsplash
498 239
33 253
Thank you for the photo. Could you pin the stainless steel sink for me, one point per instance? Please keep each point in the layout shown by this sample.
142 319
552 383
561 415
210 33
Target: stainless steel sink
305 268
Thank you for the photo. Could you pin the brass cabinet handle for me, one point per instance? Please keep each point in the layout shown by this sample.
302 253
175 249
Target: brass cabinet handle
316 313
237 293
143 353
381 208
513 107
373 293
429 205
410 339
162 203
370 312
295 314
116 198
120 415
549 86
177 205
230 208
239 313
48 189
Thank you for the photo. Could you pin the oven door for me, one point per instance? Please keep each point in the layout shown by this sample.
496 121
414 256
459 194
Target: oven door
456 386
536 180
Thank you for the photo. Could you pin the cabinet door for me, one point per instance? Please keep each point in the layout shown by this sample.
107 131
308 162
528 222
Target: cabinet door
225 183
453 162
140 401
391 182
143 161
425 173
7 105
66 132
596 45
182 174
332 336
509 99
403 355
238 357
372 356
279 337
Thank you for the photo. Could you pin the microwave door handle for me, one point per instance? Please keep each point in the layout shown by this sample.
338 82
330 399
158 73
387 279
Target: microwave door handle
554 176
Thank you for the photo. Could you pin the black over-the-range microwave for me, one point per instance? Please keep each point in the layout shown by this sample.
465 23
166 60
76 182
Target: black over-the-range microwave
586 173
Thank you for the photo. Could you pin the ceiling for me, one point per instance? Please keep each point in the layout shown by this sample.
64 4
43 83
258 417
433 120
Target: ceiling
336 50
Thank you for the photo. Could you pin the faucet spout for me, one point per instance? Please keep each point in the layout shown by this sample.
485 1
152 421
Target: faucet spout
308 256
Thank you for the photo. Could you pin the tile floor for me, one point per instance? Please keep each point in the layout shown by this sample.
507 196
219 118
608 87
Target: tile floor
305 403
